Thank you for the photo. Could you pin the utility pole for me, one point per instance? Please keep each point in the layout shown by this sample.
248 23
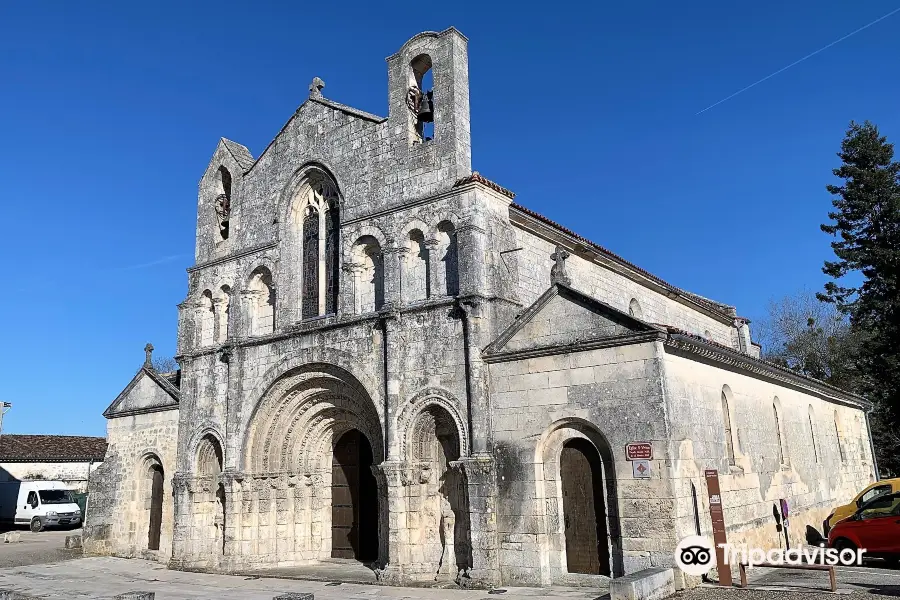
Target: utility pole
5 406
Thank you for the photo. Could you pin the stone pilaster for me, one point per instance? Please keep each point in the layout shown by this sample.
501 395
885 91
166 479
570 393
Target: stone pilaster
481 479
393 552
182 527
393 266
434 265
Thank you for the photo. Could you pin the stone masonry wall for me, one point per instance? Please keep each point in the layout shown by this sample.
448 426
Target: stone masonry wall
119 523
814 477
613 288
611 396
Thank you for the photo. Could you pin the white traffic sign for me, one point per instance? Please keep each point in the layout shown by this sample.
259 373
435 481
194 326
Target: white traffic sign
640 469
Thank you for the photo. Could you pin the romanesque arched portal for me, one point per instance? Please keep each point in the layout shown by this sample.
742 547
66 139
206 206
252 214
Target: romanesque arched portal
307 492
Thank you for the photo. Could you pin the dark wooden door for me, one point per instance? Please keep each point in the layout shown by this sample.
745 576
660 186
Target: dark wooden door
583 510
156 499
345 496
354 499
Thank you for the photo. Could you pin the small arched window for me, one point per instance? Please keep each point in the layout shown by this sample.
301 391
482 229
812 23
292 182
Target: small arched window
261 298
414 279
812 433
726 421
207 318
635 310
223 202
838 435
779 434
368 265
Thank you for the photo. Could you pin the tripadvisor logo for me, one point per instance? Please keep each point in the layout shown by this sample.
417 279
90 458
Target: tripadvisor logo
694 555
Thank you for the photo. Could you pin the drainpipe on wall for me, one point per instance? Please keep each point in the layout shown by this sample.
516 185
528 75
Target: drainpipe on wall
872 446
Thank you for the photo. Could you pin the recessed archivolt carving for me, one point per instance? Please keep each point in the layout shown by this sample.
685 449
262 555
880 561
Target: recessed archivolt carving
209 455
301 414
408 419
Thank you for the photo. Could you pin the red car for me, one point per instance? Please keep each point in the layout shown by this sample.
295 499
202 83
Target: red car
875 528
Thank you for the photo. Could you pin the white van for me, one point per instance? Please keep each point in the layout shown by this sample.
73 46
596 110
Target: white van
38 504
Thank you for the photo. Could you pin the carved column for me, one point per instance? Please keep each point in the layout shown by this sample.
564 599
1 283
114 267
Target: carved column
249 300
219 305
434 269
481 480
348 300
403 290
392 268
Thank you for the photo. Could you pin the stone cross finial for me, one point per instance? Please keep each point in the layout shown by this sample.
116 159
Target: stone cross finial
558 270
315 88
148 355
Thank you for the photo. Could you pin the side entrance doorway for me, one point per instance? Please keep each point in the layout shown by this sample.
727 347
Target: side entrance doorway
354 499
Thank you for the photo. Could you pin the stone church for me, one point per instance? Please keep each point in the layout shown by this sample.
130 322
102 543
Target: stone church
387 361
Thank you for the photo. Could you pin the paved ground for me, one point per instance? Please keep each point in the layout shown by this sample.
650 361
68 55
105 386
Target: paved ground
105 577
102 578
37 548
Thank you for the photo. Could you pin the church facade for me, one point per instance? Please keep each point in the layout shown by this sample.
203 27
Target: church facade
384 358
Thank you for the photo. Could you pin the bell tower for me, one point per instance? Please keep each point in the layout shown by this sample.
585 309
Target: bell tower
428 79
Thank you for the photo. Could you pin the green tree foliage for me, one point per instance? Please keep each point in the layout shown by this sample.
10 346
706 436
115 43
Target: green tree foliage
866 275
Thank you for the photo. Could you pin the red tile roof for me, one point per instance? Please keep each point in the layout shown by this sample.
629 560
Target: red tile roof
51 448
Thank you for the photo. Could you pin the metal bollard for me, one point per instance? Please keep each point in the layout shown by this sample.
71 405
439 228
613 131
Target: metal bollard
137 596
294 596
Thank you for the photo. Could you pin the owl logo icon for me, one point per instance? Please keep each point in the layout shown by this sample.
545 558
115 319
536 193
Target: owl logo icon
694 555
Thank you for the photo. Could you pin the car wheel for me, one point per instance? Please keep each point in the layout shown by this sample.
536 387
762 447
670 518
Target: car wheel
36 525
892 561
842 544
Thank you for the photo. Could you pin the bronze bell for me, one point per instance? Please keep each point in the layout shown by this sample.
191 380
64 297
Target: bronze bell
426 108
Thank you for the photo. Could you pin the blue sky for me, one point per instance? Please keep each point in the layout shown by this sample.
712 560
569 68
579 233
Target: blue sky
110 112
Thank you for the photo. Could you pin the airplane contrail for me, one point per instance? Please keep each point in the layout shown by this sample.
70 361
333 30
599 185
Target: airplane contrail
797 62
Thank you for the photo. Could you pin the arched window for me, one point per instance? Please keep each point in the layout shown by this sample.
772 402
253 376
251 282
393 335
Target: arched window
311 262
448 254
726 421
415 275
207 318
368 264
316 216
779 434
812 433
223 308
261 298
838 434
634 309
223 202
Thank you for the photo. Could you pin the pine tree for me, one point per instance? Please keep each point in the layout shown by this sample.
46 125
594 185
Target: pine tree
866 225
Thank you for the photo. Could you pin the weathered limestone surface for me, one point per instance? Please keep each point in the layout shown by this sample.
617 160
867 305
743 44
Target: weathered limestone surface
649 584
383 358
